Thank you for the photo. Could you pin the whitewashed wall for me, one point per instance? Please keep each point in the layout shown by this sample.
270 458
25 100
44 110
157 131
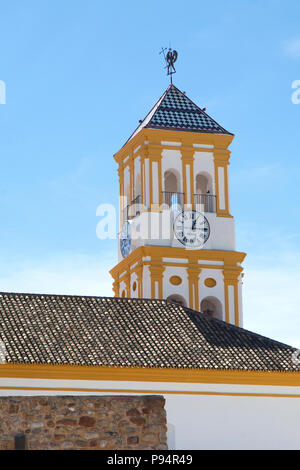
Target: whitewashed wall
226 422
199 421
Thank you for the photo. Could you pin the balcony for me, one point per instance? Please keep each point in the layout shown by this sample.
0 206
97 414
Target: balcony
202 203
132 210
172 199
205 202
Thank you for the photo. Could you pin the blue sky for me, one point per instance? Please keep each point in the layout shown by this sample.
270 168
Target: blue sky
80 74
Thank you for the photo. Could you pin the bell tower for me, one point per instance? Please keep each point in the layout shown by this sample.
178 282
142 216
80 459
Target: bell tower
177 236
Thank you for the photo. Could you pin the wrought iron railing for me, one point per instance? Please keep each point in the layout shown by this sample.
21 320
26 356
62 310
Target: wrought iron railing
202 203
133 209
172 199
126 213
205 202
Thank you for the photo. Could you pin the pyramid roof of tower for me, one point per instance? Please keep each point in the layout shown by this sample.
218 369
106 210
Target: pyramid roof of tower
175 111
104 331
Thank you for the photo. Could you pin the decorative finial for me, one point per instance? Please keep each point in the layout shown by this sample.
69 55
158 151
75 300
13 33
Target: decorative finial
170 59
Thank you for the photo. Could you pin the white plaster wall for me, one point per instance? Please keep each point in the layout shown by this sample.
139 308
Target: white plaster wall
215 418
204 162
137 171
169 289
147 183
122 287
221 177
234 422
155 195
231 304
146 283
188 184
171 159
222 233
126 185
240 291
217 291
134 294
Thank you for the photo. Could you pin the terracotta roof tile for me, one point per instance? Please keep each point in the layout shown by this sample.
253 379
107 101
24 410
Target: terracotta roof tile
57 329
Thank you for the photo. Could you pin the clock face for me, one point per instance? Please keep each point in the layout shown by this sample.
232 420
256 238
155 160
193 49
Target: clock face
125 239
191 228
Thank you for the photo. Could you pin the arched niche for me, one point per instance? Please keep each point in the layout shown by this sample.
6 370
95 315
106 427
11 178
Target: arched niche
212 307
171 181
177 299
203 183
172 195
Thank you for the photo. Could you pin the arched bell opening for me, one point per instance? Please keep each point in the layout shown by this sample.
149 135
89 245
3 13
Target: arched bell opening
212 307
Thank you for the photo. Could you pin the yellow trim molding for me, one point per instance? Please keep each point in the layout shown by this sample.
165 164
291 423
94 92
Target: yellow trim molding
141 374
152 392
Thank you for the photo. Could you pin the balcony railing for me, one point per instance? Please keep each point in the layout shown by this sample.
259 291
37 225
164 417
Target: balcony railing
133 209
172 199
205 202
202 203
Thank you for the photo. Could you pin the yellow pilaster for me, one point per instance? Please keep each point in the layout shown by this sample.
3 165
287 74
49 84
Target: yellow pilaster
121 184
126 279
156 272
132 182
221 160
231 278
116 288
154 153
187 158
193 279
139 274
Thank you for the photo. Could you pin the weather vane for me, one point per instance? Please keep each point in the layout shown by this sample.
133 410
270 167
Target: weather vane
170 58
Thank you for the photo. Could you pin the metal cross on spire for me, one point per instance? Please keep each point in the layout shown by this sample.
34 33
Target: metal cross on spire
170 59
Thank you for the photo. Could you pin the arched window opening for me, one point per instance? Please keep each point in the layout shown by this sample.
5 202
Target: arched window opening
177 299
212 307
172 195
171 183
202 184
204 199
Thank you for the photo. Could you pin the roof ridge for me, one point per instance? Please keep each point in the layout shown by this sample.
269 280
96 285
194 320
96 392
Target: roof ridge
35 294
201 110
234 327
140 124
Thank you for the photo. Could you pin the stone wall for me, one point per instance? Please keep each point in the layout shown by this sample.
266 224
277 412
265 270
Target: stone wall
84 422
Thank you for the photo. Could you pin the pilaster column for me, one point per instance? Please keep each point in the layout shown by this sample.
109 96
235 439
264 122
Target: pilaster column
126 279
139 274
121 194
221 162
142 178
193 277
231 293
116 288
132 182
147 189
187 158
154 152
156 272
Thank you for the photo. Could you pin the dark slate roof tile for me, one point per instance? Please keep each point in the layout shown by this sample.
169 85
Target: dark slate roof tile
175 111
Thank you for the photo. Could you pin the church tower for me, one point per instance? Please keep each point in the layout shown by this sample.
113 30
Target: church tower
177 237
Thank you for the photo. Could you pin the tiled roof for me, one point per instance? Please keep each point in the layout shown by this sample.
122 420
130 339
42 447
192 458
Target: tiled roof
175 111
58 329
